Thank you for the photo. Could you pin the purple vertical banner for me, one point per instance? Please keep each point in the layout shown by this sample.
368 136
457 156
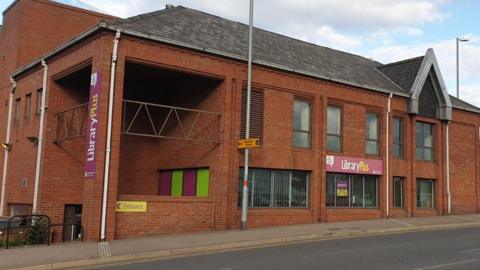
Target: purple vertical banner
189 182
92 125
165 183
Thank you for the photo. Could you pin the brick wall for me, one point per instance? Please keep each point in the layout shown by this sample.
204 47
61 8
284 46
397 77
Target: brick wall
135 160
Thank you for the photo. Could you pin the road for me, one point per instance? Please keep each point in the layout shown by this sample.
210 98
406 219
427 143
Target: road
440 249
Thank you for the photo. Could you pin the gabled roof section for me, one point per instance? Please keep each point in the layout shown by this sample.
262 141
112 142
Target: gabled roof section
403 72
430 69
463 105
198 30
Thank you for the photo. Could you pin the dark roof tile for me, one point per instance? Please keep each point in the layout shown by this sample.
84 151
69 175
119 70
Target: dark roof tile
206 31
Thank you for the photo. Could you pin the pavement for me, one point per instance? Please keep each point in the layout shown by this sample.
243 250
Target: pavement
88 254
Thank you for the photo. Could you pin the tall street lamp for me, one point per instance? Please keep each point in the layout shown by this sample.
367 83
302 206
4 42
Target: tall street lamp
243 222
458 68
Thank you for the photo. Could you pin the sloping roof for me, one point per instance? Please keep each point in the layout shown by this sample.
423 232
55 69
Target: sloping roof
403 72
209 32
463 105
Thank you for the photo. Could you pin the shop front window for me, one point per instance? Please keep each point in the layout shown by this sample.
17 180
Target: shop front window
276 188
425 193
398 192
344 190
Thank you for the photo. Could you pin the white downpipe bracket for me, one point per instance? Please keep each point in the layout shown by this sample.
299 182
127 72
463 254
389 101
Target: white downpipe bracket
7 151
40 138
447 168
109 136
387 154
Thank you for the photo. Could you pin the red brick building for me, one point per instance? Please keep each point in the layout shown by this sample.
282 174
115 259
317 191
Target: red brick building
175 82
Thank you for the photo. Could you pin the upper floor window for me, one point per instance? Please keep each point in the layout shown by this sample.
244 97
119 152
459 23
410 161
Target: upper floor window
301 124
18 114
424 141
398 137
334 129
372 134
28 105
39 100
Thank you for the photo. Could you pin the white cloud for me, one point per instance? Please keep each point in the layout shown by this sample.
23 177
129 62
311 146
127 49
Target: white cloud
338 18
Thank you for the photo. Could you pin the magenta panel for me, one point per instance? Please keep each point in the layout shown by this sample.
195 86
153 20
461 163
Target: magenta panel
189 182
165 183
354 165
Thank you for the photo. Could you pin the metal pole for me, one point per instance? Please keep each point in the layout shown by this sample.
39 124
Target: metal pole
243 223
458 75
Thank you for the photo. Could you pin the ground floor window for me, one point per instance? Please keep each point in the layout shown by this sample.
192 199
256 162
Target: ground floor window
275 188
347 190
425 193
20 209
398 183
184 182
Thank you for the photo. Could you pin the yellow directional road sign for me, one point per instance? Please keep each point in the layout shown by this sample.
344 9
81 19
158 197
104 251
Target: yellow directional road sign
128 206
248 143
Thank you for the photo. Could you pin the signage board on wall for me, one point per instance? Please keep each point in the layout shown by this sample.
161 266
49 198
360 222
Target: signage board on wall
92 125
354 165
131 206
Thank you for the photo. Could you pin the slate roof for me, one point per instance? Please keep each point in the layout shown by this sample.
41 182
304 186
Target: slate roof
460 104
403 72
214 33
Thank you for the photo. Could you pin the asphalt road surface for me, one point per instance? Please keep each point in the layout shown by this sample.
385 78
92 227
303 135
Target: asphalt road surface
440 249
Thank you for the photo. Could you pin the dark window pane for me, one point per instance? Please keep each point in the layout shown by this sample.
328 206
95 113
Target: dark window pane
299 189
372 126
331 196
333 120
357 191
425 193
396 150
371 147
342 186
281 185
301 114
370 191
301 139
333 143
397 192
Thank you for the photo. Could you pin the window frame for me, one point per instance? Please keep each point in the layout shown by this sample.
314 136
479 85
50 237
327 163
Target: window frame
350 179
28 105
340 124
18 109
433 193
377 141
402 191
401 142
423 147
39 101
309 131
272 194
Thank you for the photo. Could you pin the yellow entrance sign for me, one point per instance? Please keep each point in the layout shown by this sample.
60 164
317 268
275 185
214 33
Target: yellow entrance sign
248 143
127 206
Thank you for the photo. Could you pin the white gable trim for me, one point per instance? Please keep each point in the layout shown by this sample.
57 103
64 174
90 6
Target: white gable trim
445 105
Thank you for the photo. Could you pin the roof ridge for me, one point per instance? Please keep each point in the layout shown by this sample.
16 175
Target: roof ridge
403 61
148 14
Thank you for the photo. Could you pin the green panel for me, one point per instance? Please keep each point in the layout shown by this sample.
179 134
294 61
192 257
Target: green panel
177 183
203 177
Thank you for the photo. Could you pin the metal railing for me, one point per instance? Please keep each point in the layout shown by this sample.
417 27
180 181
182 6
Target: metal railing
71 123
171 122
31 229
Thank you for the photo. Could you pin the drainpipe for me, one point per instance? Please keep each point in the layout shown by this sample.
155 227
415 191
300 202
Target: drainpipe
40 138
447 168
387 163
7 142
109 136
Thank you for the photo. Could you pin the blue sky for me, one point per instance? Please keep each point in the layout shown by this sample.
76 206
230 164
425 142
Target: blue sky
385 30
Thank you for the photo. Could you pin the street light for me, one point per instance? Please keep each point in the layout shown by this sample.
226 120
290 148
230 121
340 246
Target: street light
458 68
243 221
